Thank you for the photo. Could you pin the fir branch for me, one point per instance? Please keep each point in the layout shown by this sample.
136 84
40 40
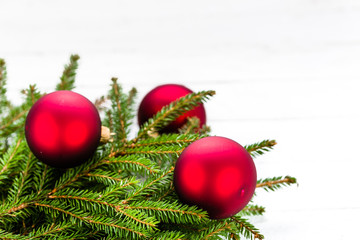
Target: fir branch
182 140
31 95
67 79
106 178
9 209
260 148
9 159
70 176
15 118
143 190
138 217
91 203
66 181
116 100
275 183
3 100
246 229
116 191
131 96
172 111
170 212
148 151
168 235
2 74
51 230
4 235
252 210
100 223
213 230
191 126
81 198
121 110
134 163
44 178
15 114
170 190
23 183
99 102
20 194
217 230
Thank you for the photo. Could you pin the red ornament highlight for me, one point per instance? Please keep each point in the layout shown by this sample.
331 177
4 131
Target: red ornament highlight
63 129
217 174
163 95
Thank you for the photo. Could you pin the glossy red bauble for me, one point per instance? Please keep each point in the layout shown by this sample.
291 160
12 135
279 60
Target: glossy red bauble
163 95
63 129
216 174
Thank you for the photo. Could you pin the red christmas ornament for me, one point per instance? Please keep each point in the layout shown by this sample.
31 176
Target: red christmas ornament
163 95
63 129
216 174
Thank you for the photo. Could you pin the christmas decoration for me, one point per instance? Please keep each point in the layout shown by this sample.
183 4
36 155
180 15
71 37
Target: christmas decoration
163 95
126 190
216 174
63 129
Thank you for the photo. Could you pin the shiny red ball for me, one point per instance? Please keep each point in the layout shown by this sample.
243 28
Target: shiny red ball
216 174
63 129
163 95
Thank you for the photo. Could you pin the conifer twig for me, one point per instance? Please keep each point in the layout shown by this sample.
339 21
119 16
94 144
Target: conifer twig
89 220
166 140
260 148
117 102
252 210
151 151
275 182
191 125
247 229
157 207
2 72
99 102
13 119
132 195
67 79
3 100
170 112
225 226
14 209
79 172
136 162
7 162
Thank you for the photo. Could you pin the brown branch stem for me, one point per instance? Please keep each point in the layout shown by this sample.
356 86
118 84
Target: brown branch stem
15 209
271 183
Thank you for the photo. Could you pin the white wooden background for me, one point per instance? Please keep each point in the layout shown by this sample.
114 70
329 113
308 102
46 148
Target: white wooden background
283 69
